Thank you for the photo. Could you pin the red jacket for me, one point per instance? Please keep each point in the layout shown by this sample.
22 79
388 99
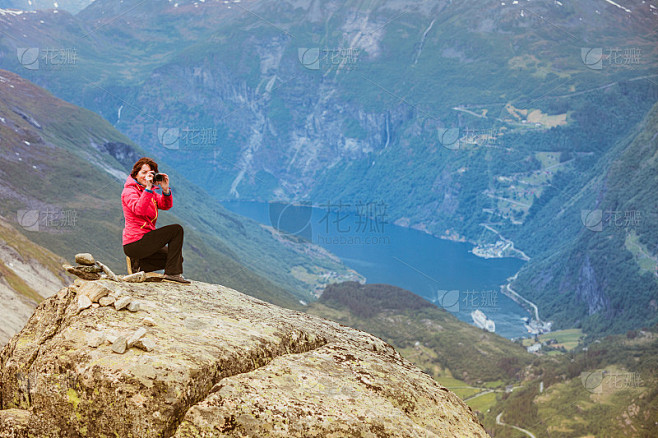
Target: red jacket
140 209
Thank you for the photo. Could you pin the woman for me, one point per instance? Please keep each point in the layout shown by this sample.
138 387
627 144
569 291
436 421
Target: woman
149 248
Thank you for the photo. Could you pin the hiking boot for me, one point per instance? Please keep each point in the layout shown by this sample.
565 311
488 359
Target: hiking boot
178 278
132 265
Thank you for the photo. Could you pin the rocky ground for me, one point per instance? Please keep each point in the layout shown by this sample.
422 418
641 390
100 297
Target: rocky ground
106 358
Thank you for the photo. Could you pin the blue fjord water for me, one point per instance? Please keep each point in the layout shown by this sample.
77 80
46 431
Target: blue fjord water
441 271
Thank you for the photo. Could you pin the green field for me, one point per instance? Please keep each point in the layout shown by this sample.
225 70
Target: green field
569 338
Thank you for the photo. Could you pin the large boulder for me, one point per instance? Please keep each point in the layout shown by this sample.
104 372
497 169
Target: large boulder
209 361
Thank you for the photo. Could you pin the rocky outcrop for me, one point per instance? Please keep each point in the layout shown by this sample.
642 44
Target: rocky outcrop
590 291
209 361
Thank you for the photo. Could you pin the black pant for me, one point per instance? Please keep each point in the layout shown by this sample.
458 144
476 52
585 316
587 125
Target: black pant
152 252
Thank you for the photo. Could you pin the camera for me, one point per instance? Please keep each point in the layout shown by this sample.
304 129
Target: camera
157 177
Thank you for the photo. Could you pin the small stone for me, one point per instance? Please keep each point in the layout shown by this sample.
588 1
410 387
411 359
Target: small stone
137 277
119 345
134 306
95 339
122 302
95 305
106 301
109 272
136 336
145 344
95 291
89 268
15 422
83 303
153 277
84 258
82 274
63 293
148 321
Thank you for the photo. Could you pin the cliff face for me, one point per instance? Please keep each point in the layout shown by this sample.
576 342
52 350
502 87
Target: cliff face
212 362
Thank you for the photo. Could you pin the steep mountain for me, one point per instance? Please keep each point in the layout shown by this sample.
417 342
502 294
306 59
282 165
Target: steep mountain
62 171
28 274
605 280
215 364
72 6
482 120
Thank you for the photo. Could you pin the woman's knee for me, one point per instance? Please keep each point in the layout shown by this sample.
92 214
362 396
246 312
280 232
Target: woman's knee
177 228
128 252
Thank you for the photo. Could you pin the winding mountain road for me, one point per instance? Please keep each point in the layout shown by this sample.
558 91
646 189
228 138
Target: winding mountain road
500 422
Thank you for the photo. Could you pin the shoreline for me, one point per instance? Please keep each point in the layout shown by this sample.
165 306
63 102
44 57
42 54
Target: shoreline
536 324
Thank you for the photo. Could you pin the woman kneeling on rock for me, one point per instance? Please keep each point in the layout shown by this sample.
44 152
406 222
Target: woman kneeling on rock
150 249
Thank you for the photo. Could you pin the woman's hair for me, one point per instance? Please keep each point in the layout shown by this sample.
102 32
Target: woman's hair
142 161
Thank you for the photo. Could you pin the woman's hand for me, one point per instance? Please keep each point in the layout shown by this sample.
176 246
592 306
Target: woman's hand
164 184
149 180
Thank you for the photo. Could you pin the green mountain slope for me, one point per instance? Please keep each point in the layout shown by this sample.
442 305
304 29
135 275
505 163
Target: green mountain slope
606 389
28 274
605 279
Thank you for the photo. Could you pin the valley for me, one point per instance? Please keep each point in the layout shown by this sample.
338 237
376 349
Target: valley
393 166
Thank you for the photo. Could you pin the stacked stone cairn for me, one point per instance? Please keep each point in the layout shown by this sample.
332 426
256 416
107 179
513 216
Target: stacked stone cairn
92 294
90 269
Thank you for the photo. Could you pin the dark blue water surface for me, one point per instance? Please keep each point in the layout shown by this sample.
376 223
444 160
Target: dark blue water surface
442 271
